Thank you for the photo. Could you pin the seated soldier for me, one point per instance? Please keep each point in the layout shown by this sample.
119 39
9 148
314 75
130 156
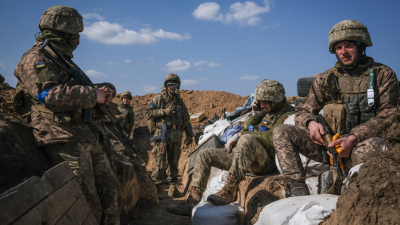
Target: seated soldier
251 150
364 90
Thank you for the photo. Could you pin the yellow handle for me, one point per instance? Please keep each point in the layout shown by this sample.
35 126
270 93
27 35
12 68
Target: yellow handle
337 147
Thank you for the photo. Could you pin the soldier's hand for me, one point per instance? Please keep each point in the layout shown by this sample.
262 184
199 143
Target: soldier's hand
104 94
256 111
168 110
188 140
117 116
347 144
231 143
316 130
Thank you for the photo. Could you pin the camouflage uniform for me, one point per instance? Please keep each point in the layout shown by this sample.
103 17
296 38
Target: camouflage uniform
126 117
254 151
179 121
56 118
338 86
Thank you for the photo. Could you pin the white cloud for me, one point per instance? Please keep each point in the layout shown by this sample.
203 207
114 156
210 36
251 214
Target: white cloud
177 65
148 88
187 82
214 64
203 78
250 77
127 61
111 63
94 73
273 25
114 34
198 63
89 16
242 13
200 68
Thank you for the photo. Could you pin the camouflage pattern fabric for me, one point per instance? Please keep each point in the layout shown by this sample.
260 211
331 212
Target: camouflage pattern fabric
248 154
126 117
66 97
348 30
270 90
79 158
320 95
107 187
61 18
290 140
171 160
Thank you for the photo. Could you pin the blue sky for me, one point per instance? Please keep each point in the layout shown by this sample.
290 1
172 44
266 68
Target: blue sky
222 45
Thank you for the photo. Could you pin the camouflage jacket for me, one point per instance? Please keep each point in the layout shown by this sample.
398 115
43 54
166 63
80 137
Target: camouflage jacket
58 118
270 121
386 92
126 117
179 120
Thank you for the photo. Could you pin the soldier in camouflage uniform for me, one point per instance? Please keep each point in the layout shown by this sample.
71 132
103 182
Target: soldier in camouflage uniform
342 92
52 100
168 105
251 150
126 116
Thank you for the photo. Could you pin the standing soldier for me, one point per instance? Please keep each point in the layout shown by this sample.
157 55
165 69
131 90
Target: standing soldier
357 95
126 117
251 150
54 101
167 107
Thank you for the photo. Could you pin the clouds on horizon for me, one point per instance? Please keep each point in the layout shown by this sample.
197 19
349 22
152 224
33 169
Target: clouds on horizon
115 34
249 77
94 73
209 63
245 14
177 65
148 88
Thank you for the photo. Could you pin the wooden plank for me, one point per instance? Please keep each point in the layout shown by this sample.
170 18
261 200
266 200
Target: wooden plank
54 207
77 213
57 176
90 220
20 199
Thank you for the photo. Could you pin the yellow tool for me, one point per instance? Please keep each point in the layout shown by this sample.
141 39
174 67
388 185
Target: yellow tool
338 149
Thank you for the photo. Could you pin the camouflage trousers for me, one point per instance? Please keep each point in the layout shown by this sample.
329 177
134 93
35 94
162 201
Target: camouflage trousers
171 160
290 140
93 171
248 154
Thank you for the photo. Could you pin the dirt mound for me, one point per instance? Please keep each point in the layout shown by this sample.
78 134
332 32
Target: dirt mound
373 196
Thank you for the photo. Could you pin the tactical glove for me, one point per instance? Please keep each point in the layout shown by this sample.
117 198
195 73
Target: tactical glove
231 143
188 140
256 111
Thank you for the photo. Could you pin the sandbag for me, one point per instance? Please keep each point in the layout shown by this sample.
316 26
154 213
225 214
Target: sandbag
310 209
206 213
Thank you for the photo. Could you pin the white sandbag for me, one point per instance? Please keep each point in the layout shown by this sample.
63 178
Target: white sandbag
278 212
311 213
206 213
352 171
215 182
216 128
312 184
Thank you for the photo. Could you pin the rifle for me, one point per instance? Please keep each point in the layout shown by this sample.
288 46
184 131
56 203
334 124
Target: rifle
328 139
81 77
163 144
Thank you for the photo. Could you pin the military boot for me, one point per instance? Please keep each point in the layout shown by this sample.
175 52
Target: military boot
185 208
171 190
227 194
294 188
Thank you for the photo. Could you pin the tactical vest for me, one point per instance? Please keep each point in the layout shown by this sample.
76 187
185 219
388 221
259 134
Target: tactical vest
175 120
23 103
348 106
272 117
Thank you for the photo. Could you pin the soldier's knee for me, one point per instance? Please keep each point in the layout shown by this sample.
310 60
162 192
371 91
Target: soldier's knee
204 154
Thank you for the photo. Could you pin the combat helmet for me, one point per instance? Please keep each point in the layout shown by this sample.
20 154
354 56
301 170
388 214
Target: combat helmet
126 94
348 30
270 90
172 77
61 18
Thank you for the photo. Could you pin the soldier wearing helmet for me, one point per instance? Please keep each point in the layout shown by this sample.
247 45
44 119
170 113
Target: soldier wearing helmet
356 96
252 149
52 101
126 116
168 107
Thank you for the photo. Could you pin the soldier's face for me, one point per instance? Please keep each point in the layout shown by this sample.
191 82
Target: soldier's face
346 52
126 101
172 89
265 105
